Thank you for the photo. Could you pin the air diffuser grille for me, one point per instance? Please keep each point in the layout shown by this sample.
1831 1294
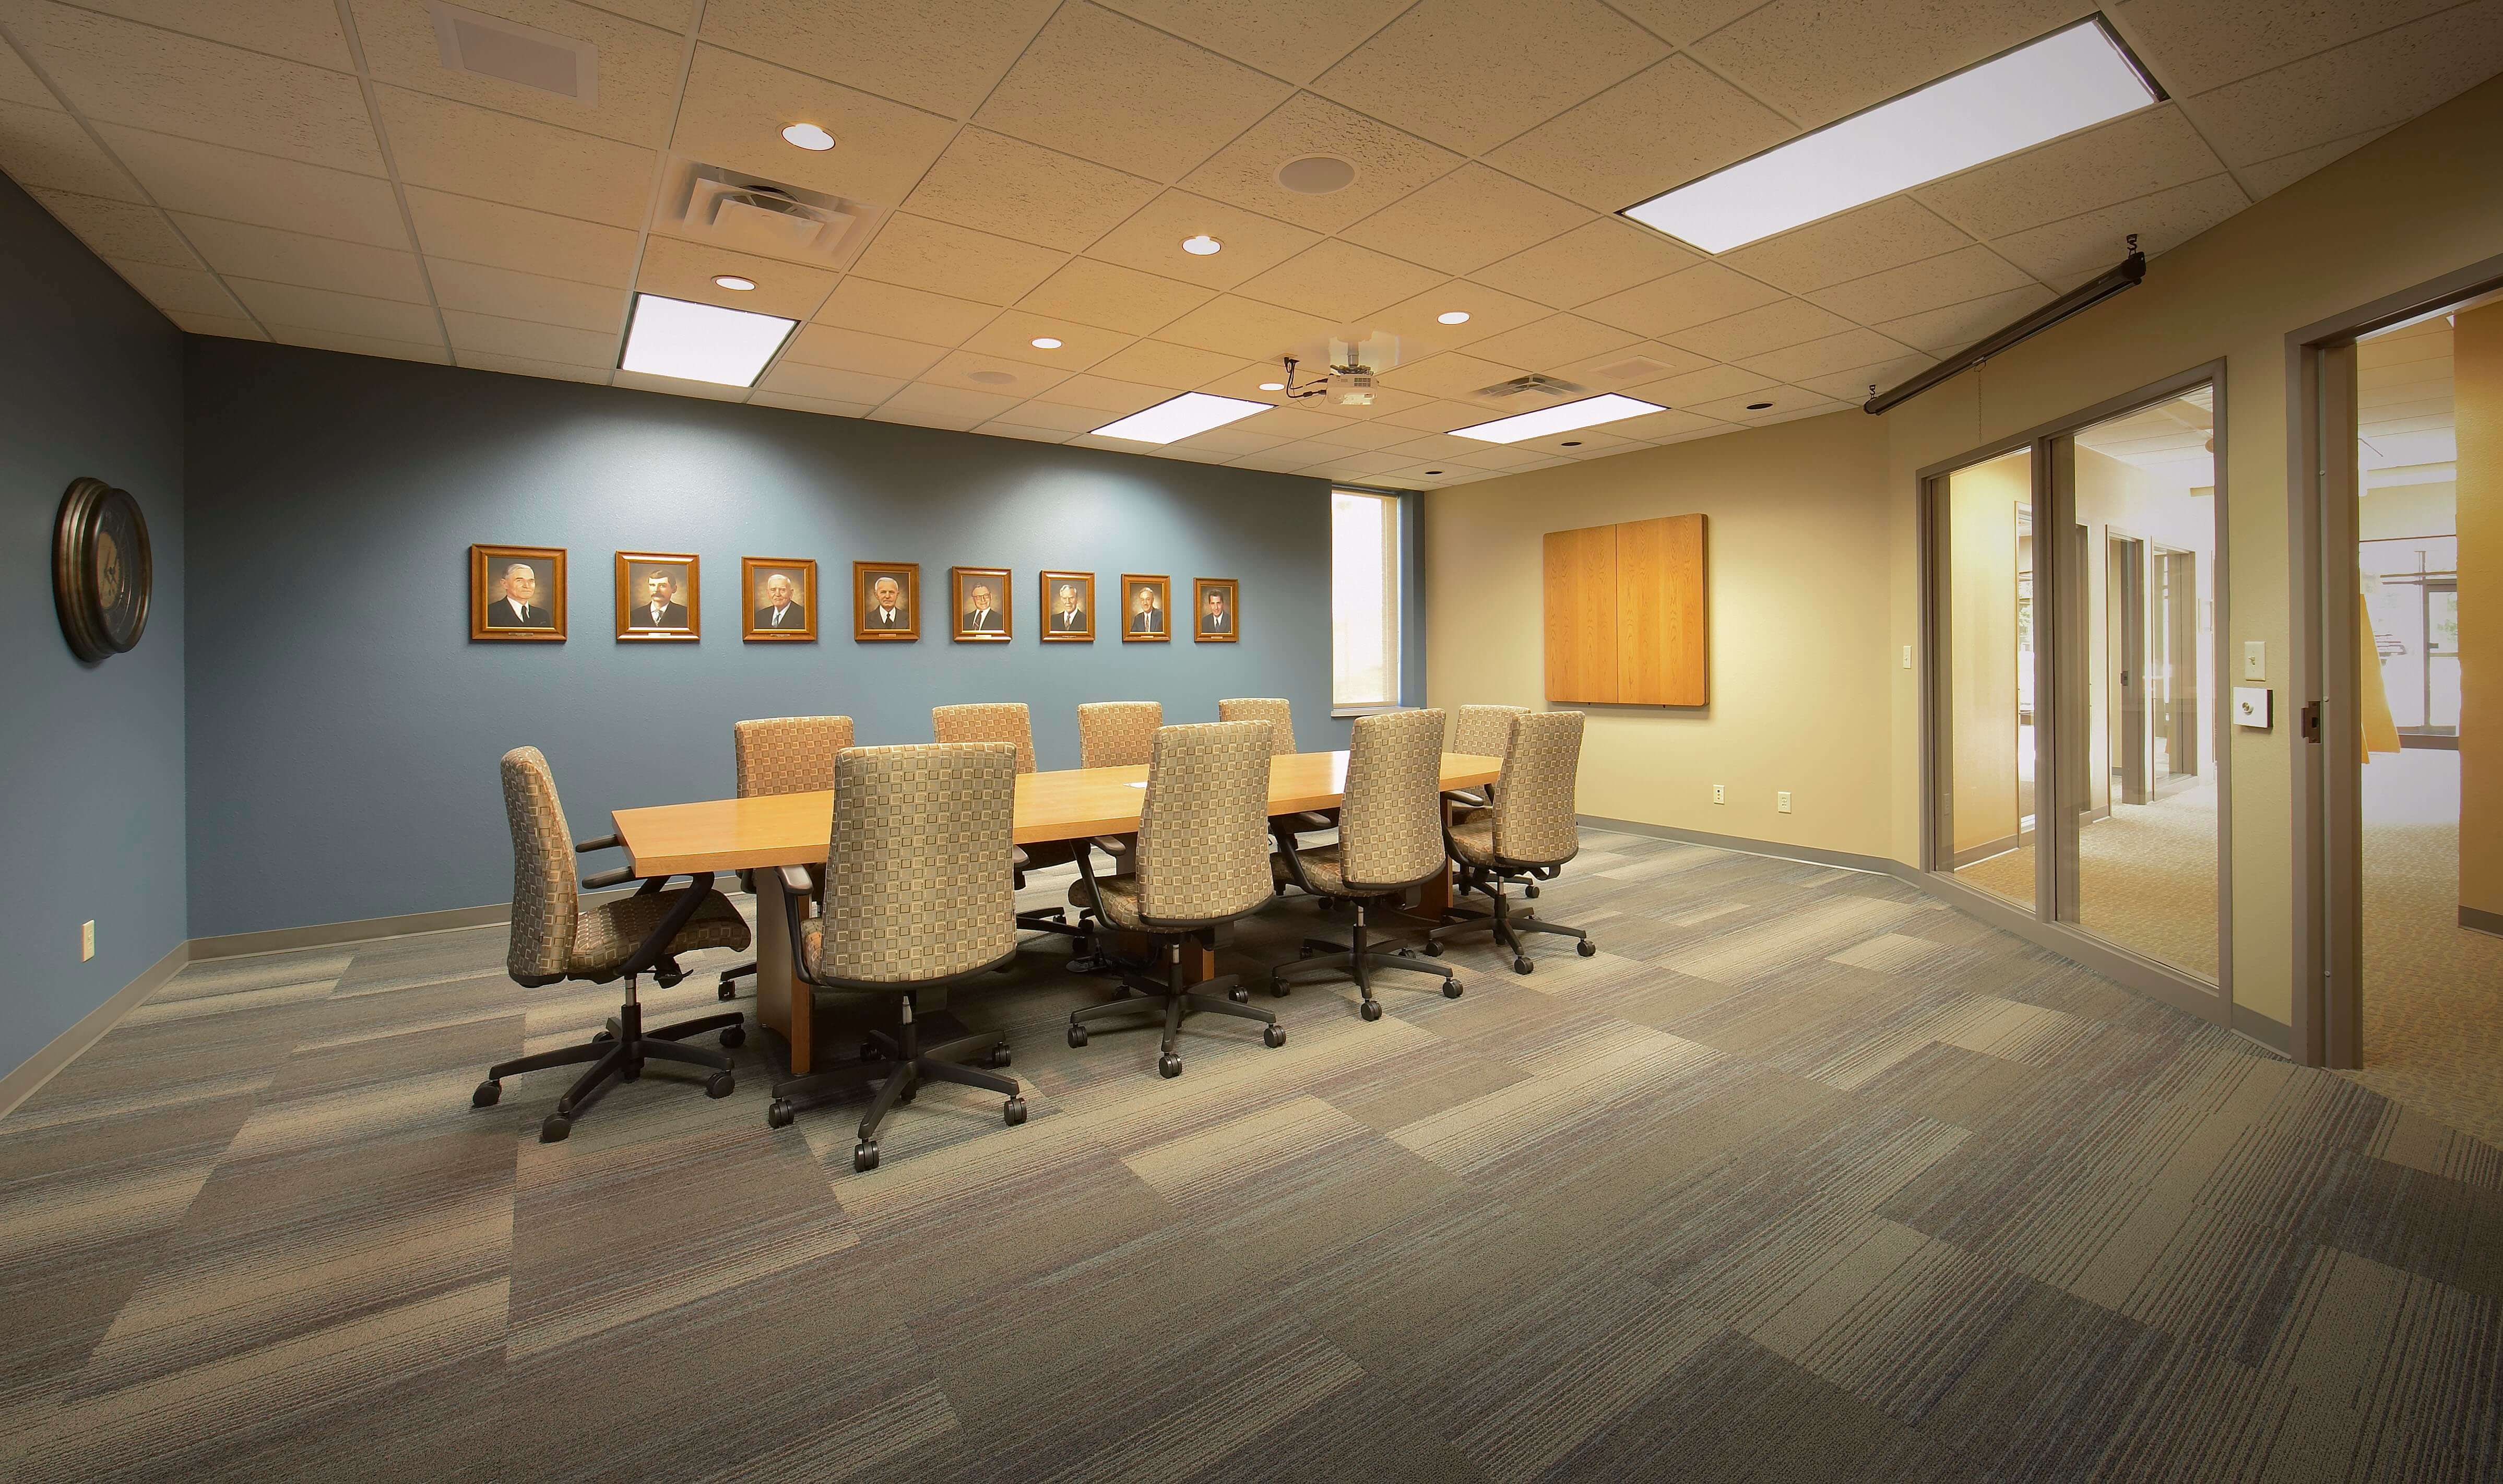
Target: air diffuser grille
491 47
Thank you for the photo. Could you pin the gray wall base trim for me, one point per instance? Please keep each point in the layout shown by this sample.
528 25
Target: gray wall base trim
1814 855
322 935
2477 922
2276 1035
1987 849
30 1075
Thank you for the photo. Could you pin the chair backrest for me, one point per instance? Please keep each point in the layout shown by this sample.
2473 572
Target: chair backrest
1390 822
1533 798
1482 731
1276 712
1118 734
1203 852
789 754
917 876
991 721
545 905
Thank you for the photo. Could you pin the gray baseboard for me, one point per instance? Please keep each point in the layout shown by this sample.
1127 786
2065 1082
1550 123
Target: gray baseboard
1984 851
2477 922
1814 855
2276 1035
29 1075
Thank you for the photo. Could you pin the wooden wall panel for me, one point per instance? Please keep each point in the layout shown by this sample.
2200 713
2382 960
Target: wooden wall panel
1663 653
1582 629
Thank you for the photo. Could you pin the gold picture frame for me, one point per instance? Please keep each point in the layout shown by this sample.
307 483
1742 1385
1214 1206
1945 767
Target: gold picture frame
1134 587
1225 625
794 621
994 621
542 618
871 624
1058 627
646 614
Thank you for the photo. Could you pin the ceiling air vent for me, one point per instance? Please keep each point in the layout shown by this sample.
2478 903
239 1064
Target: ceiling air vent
1633 368
773 220
489 47
1544 386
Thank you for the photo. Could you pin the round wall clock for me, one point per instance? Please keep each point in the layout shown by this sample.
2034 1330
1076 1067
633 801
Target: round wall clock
101 570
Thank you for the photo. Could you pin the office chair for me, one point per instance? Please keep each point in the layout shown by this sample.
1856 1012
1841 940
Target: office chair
1118 734
918 853
1201 859
1527 836
554 938
784 755
1481 731
1007 721
1390 839
1280 714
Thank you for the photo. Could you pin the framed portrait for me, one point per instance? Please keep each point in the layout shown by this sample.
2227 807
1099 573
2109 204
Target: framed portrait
982 605
656 596
1216 610
1146 600
1068 608
517 592
782 599
886 601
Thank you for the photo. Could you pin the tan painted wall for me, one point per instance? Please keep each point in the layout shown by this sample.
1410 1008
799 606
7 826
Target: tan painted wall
1982 647
2408 510
2477 391
2421 201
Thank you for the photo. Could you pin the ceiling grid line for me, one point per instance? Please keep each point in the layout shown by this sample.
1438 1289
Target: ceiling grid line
652 205
390 172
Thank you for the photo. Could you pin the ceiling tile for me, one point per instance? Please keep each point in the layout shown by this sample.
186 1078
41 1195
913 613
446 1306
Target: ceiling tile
1851 387
1432 417
1867 239
241 250
1058 417
1026 191
1356 466
1490 312
668 14
1245 329
189 290
481 289
1700 293
686 271
1340 281
1653 427
1385 402
852 349
301 30
1152 241
45 147
940 257
2271 176
1467 220
1105 87
1245 380
527 241
2090 243
736 108
1652 132
538 342
911 415
1011 336
1003 429
2149 150
1756 331
118 228
638 66
1233 441
217 325
1470 74
471 151
1157 363
1436 445
2199 45
1863 55
523 365
114 71
1683 23
1951 278
827 384
674 386
1957 326
18 83
1293 39
1834 353
1588 262
923 399
887 49
1283 459
208 180
1710 384
1351 434
1283 422
1765 405
1114 297
2371 83
1102 394
1450 375
1557 341
1500 456
906 314
818 404
1388 164
345 314
970 371
362 345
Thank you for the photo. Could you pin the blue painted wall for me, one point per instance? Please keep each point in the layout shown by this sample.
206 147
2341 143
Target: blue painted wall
344 729
90 755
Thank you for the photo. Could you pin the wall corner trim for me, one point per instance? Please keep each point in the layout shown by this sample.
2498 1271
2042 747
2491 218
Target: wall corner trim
2276 1035
29 1075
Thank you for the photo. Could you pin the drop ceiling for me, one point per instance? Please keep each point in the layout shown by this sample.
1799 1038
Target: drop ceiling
312 172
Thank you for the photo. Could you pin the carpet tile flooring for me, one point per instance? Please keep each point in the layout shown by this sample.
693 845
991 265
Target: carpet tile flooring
1804 1176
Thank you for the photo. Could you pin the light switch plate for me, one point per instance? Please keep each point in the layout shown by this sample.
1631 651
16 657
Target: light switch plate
87 939
2255 659
1782 802
2252 707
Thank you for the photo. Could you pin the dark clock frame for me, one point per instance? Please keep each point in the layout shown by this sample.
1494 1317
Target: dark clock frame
86 620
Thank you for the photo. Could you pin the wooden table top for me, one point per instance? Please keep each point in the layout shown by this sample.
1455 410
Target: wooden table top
721 834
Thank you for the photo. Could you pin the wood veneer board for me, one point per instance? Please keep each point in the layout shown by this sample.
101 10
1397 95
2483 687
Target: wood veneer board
1662 657
1581 587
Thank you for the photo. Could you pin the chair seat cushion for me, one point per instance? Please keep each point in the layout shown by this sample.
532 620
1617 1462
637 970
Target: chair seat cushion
1115 897
1473 841
606 934
1321 865
1045 854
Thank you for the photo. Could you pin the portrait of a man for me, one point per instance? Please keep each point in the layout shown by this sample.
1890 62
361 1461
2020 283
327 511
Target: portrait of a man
886 601
656 594
982 593
1068 608
516 592
1143 617
782 597
1214 619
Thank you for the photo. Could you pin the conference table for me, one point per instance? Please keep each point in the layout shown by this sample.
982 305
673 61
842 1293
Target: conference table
772 830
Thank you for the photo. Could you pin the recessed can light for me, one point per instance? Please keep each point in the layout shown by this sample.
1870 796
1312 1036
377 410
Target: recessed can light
1316 175
734 283
1273 386
1044 343
808 136
1201 245
1453 317
1758 406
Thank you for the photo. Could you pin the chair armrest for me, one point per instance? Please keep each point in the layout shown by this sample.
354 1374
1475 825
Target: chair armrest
603 842
1113 845
603 880
1018 858
1294 863
1298 823
795 880
655 947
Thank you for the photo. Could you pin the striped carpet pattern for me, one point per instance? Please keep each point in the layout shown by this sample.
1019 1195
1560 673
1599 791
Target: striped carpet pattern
1801 1177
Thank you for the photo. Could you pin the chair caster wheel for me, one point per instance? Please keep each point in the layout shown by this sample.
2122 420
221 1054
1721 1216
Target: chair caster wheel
1276 987
1530 892
1077 1036
865 1156
1304 952
553 1127
910 1092
1371 1010
485 1094
734 1037
1273 1038
780 1114
1000 1055
871 1050
1450 988
1013 1111
602 1037
720 1085
1587 949
1522 964
666 978
728 989
1168 1065
1239 995
1433 949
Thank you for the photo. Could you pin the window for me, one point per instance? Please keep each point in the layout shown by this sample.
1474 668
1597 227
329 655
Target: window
1365 600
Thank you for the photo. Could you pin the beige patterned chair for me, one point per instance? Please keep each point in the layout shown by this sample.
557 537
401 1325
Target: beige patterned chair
918 895
1007 721
1201 859
1481 731
783 755
1390 839
556 938
1280 714
1527 836
1118 734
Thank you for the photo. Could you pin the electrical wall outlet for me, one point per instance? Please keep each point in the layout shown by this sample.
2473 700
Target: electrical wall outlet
87 939
1908 656
1782 802
2255 659
1719 795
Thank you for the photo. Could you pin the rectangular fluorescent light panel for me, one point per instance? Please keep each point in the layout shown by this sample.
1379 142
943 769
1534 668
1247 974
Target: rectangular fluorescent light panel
701 342
1187 414
2068 81
1588 412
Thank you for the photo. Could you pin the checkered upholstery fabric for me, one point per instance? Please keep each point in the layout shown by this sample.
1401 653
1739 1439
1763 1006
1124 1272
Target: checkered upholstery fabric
608 934
1203 851
1484 730
1390 823
989 721
1278 712
544 898
917 874
1533 795
789 754
1118 734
